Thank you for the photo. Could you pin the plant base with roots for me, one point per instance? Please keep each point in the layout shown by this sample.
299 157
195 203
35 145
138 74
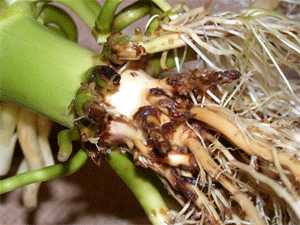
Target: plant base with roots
224 159
221 167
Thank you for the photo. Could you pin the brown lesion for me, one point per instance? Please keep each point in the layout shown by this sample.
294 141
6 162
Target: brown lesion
134 74
148 118
201 80
123 48
160 134
169 105
180 185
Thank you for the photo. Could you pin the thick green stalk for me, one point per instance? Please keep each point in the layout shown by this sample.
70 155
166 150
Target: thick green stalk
40 70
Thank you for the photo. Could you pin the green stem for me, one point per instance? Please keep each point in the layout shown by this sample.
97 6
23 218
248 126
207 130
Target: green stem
132 13
94 6
53 15
40 70
106 16
142 186
44 174
86 10
64 140
163 5
154 62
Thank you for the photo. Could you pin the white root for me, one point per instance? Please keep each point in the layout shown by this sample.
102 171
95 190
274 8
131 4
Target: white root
8 137
30 192
292 201
44 126
196 38
28 139
247 36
